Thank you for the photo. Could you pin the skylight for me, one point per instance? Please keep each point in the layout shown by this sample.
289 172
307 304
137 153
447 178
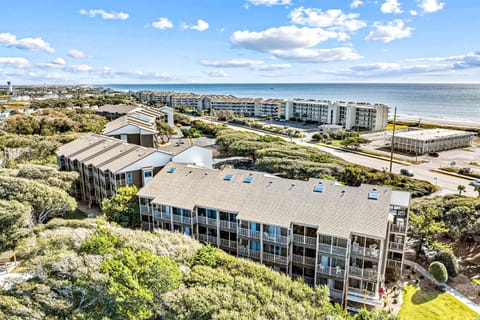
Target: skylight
172 170
228 177
318 188
373 196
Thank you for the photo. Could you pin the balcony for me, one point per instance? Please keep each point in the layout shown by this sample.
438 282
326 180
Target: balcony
332 249
371 252
305 240
206 238
144 208
249 233
331 271
228 225
275 238
274 258
120 182
395 246
394 264
304 260
157 215
398 229
245 252
207 221
367 273
182 219
362 292
335 293
228 243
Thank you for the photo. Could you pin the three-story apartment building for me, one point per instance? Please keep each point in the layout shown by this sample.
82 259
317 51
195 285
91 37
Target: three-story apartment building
347 238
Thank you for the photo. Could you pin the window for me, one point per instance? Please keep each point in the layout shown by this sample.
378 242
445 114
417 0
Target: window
148 173
255 245
129 178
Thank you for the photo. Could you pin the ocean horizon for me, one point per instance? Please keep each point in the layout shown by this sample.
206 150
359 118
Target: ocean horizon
443 101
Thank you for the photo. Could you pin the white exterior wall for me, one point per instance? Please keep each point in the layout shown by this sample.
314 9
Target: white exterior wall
195 155
156 159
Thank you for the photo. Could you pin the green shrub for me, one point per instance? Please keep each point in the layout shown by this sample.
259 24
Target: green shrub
449 261
206 256
438 271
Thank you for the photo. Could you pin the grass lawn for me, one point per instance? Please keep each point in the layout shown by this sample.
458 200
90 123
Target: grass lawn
419 304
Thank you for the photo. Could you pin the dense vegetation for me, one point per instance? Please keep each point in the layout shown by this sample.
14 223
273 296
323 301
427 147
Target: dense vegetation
86 269
81 100
53 121
275 155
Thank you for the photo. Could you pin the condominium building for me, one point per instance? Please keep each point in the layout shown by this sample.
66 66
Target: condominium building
348 238
186 100
431 140
105 164
246 106
350 115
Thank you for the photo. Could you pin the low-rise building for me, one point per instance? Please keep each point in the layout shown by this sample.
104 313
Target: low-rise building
105 164
347 238
430 140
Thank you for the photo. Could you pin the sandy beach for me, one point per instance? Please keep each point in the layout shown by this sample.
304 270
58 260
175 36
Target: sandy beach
435 120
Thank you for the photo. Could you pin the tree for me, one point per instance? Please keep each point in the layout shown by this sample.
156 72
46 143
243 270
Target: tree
438 271
225 115
353 142
449 261
165 132
64 180
461 188
123 207
46 201
425 226
15 218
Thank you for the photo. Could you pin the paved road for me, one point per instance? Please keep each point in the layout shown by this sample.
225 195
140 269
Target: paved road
448 184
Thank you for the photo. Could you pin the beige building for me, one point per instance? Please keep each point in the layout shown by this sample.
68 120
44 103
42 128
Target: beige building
348 238
431 140
105 164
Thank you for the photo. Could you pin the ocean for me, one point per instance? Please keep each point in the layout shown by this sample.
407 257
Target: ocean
443 101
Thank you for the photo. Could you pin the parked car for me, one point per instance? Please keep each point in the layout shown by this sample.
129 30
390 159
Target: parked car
433 154
406 172
475 183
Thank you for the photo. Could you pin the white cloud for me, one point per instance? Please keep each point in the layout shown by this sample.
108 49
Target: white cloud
393 30
391 6
356 3
217 74
281 38
274 66
232 63
77 54
59 61
414 12
104 14
80 68
334 19
201 25
318 55
30 44
270 3
162 23
109 73
430 6
14 62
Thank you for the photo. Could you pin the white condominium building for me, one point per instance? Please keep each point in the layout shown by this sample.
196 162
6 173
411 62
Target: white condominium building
350 239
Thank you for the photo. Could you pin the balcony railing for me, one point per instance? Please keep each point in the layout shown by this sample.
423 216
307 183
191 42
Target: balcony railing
335 293
397 228
302 259
395 264
275 238
274 258
367 252
395 246
207 221
332 249
228 225
332 271
120 182
249 233
182 219
228 243
144 208
362 292
306 240
157 215
368 273
245 252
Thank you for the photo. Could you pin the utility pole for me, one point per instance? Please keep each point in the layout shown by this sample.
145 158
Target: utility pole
393 138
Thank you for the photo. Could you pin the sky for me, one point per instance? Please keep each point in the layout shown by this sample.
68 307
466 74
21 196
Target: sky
239 41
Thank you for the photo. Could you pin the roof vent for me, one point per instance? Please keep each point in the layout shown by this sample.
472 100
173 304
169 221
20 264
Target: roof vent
373 196
172 170
248 179
318 188
228 177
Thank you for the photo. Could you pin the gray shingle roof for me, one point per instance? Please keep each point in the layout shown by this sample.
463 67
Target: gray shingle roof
338 210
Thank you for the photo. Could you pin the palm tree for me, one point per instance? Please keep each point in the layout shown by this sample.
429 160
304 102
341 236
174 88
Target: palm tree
477 189
461 188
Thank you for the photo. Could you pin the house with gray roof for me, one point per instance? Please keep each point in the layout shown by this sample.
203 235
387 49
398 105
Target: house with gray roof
348 238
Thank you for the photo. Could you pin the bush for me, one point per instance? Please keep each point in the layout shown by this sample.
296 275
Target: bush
438 271
206 256
449 261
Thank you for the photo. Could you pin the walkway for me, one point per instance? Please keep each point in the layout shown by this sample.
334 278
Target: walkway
469 303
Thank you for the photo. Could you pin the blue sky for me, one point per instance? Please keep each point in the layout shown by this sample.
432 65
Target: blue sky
235 41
